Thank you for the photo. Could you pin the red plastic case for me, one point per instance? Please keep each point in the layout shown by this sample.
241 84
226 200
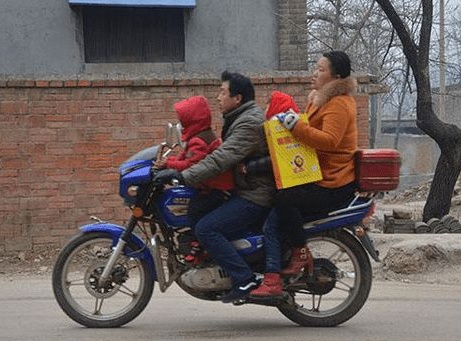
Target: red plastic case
377 169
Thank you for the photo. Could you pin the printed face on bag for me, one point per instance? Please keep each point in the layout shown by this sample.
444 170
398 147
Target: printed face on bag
293 163
322 73
299 161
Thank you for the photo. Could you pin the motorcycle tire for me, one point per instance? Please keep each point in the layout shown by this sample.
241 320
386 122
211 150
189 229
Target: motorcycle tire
339 286
78 293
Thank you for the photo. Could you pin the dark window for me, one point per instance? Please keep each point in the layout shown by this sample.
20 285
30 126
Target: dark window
133 35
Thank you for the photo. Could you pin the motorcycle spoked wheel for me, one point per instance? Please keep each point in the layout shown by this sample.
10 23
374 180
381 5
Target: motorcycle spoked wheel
75 283
340 285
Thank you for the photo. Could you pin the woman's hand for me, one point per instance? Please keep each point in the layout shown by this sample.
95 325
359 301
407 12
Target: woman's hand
288 119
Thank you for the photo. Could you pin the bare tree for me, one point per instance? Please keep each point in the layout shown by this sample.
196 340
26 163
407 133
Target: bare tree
335 24
447 136
453 38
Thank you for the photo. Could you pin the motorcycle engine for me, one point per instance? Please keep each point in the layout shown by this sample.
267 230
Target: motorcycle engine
207 279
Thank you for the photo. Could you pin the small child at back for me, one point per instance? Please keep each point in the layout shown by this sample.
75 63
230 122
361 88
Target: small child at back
278 103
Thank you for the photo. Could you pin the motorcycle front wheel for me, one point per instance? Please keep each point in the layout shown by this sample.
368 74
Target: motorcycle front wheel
92 304
339 286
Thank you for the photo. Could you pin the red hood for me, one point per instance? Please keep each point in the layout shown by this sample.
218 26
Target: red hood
194 114
280 102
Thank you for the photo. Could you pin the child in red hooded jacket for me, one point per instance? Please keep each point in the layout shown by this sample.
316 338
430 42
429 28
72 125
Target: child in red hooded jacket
195 117
279 102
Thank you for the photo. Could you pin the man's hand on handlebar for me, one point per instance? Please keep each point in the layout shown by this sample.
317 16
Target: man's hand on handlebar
160 163
166 176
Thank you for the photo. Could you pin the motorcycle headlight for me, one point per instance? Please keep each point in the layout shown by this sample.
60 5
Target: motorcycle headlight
132 191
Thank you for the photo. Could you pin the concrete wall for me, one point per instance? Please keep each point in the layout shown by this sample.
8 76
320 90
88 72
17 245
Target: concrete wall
38 37
236 34
420 153
42 38
419 157
452 104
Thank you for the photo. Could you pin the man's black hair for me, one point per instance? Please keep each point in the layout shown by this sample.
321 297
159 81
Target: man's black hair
239 85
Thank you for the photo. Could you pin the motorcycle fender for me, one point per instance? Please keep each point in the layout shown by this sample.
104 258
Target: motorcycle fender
368 245
115 231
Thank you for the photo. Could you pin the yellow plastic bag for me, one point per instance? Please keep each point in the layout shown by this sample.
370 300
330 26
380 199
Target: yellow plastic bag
293 163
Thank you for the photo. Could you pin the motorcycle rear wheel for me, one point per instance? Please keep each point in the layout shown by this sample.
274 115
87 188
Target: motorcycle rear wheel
341 283
78 293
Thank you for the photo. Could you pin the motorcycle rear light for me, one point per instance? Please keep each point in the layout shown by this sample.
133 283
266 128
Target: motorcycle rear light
369 214
372 210
132 191
359 232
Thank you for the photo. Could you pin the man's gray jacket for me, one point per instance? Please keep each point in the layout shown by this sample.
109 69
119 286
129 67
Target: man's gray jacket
243 140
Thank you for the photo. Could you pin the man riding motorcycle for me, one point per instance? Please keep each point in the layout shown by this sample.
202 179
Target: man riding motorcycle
243 139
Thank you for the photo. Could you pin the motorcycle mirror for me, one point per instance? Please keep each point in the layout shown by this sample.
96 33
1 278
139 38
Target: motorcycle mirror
178 131
169 135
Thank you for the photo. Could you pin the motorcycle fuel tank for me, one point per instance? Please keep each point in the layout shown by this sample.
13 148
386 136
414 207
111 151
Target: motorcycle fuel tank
174 204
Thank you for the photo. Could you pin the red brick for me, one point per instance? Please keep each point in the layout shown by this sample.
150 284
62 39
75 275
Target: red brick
98 83
83 83
56 84
167 82
14 163
46 240
35 121
71 83
12 107
42 84
84 94
88 148
279 80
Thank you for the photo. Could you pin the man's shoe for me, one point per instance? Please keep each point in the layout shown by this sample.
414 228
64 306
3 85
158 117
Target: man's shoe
270 287
301 258
239 291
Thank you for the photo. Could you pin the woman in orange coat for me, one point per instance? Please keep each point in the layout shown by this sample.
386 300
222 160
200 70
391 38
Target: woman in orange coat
332 132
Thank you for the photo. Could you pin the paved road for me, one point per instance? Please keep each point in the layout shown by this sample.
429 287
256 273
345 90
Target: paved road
395 311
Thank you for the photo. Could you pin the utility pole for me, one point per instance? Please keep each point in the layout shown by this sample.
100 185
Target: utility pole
442 61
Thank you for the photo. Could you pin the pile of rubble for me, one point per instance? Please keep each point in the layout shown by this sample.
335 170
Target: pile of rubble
417 193
404 212
402 222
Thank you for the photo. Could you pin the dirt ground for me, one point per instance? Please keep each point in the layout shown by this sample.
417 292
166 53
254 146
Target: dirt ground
422 265
28 263
413 200
38 265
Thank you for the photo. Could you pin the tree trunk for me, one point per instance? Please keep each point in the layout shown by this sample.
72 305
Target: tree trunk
446 174
447 136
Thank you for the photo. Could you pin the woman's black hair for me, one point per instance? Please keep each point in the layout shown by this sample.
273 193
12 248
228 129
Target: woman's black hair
340 63
239 85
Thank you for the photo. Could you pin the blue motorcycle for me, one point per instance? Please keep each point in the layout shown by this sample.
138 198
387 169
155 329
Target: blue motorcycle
105 275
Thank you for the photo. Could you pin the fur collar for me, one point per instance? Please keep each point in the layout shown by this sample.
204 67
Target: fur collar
337 87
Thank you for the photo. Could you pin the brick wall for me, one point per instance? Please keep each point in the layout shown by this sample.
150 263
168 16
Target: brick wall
292 37
61 143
